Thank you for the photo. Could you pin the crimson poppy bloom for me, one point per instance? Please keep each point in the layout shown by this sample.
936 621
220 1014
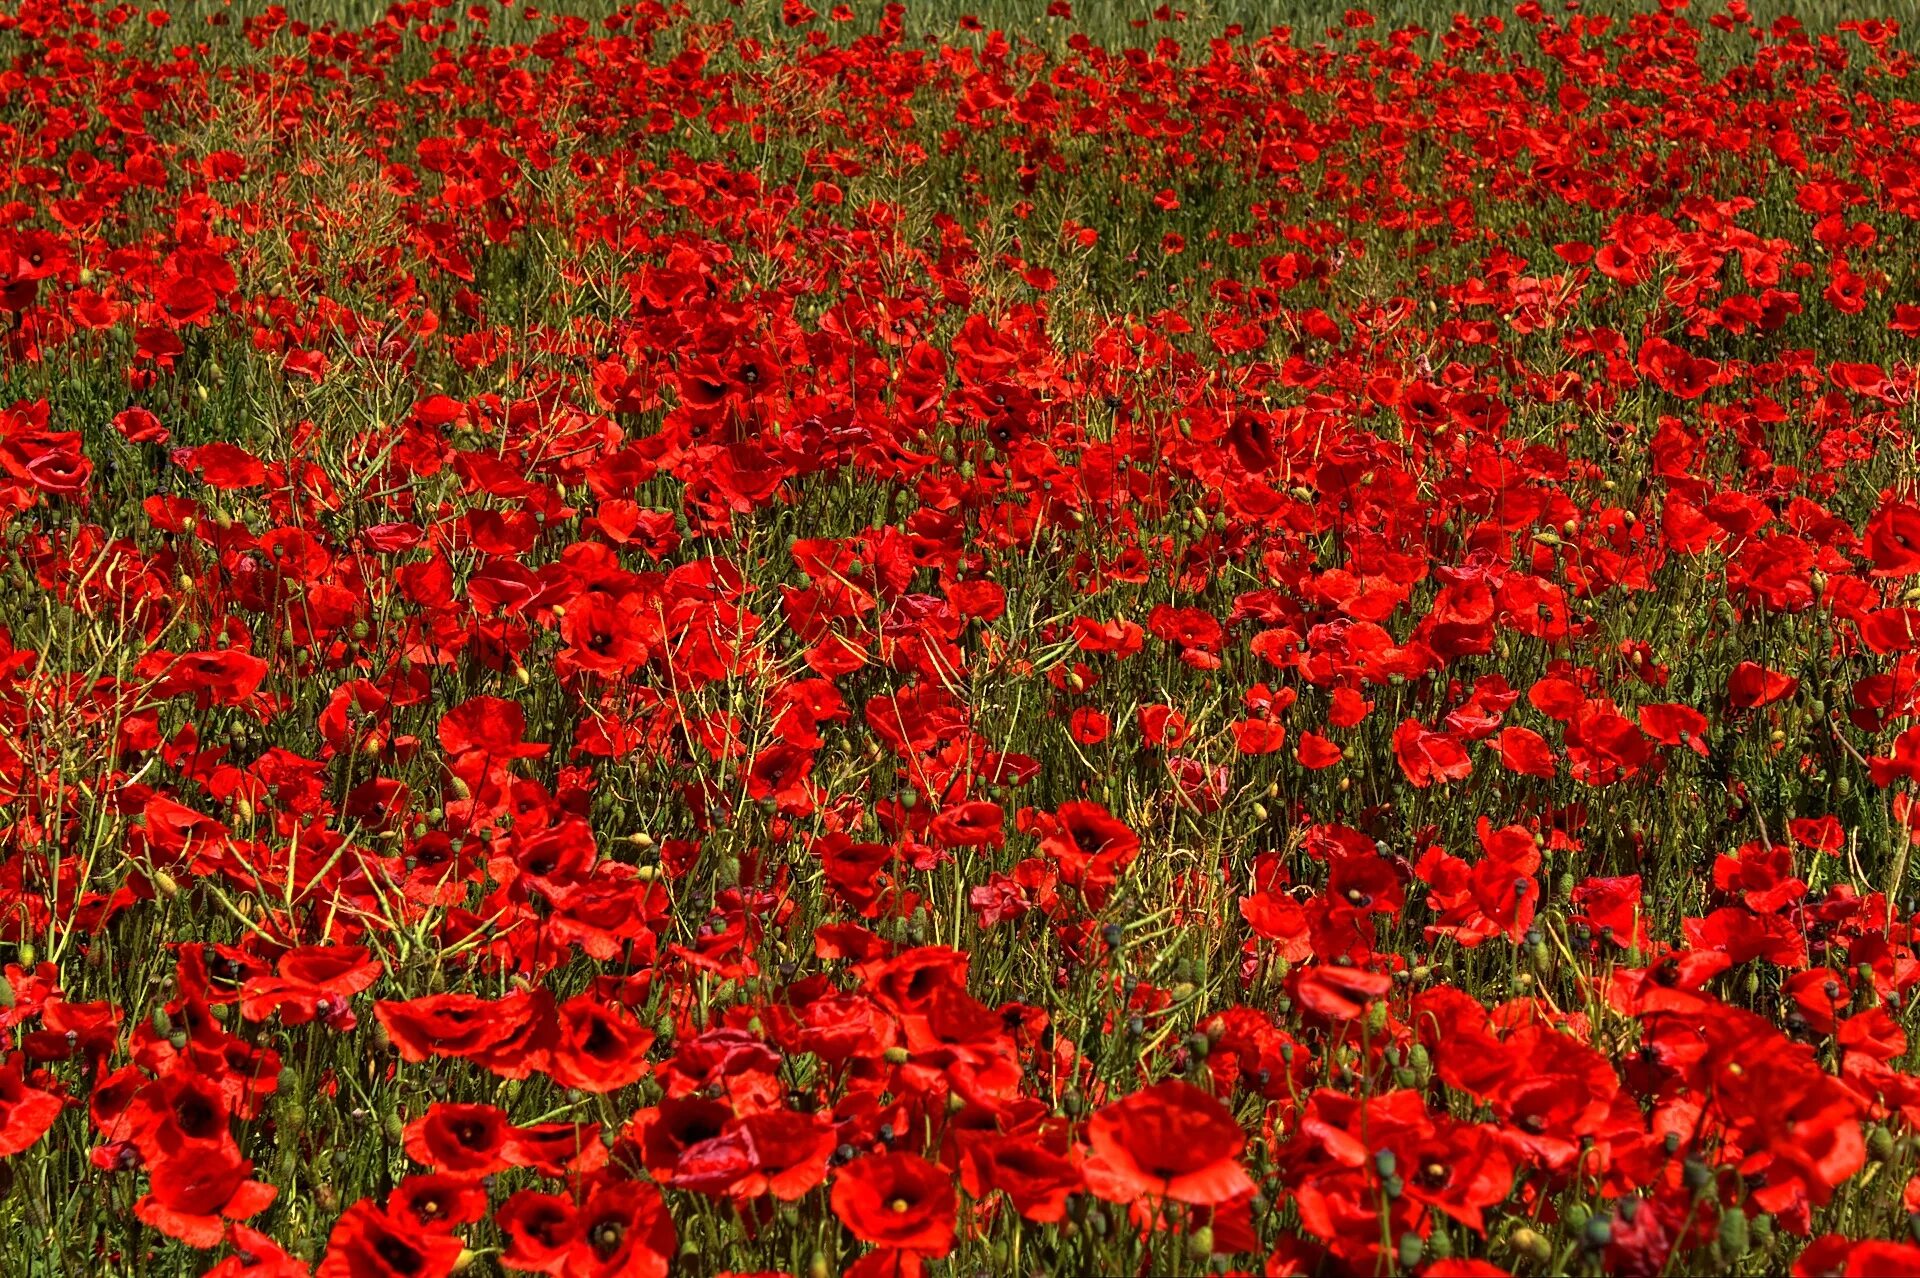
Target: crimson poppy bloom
898 1201
368 1243
1171 1141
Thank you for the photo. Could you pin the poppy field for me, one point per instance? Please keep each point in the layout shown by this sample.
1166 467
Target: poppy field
889 640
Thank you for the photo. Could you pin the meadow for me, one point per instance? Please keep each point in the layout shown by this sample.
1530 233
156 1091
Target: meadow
958 639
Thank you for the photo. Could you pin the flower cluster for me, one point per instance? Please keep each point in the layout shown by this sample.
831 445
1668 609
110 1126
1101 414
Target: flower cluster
737 639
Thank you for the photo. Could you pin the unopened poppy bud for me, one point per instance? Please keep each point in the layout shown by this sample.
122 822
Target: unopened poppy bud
1410 1250
465 1260
162 1023
6 991
1377 1018
1880 1143
1260 812
1732 1236
1200 1242
897 1055
641 840
521 674
1526 1242
29 955
818 1266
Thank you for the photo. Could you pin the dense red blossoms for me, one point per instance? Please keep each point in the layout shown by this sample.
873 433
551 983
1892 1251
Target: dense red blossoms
863 639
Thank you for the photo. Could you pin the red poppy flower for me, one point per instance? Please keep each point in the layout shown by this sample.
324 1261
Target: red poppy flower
25 1112
193 1196
1426 757
1170 1141
368 1243
465 1140
898 1201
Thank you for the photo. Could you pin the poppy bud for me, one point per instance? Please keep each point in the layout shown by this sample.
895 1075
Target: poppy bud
29 955
1377 1017
1697 1176
162 1023
1880 1143
1528 1243
464 1261
1732 1238
1597 1234
818 1266
1200 1242
1260 812
1410 1250
6 991
897 1055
